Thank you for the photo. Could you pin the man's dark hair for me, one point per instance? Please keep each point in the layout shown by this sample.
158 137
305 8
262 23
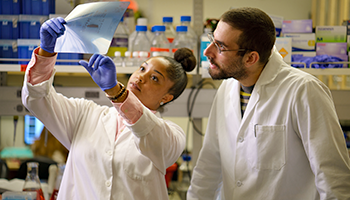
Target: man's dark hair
258 30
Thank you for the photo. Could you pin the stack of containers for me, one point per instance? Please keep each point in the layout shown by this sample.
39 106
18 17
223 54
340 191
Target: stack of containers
301 36
20 23
331 40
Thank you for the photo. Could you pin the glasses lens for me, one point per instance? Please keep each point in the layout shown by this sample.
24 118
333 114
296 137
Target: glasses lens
211 39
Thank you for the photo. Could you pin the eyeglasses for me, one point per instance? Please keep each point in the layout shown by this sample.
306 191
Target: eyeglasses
219 47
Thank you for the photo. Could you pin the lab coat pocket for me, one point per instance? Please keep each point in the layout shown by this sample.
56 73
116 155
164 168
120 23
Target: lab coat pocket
137 166
268 148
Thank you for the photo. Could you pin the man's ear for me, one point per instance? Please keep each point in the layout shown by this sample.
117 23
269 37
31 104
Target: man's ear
251 58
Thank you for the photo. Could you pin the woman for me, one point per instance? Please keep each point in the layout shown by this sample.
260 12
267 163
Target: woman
120 152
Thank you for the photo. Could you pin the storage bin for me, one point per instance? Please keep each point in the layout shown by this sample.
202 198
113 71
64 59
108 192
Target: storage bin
25 48
8 49
38 7
9 27
29 26
10 7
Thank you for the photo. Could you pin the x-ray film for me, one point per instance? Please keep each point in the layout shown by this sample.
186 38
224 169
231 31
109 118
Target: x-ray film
90 27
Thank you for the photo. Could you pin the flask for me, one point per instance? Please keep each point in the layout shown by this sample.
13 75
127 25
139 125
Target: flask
141 43
184 176
120 40
32 181
169 28
182 39
143 22
160 43
59 176
204 44
118 60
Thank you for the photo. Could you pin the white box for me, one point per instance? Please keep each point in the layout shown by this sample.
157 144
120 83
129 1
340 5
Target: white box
330 33
297 26
331 48
302 41
284 47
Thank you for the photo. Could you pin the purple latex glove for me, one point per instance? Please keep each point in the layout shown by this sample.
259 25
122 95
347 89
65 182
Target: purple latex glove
103 73
50 31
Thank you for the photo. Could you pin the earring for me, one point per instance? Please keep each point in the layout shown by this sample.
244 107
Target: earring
161 103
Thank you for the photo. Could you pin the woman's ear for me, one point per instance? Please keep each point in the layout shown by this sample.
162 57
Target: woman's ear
166 98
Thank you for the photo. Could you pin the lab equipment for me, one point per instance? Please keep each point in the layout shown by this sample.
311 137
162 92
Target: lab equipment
32 181
169 28
118 59
160 43
60 172
141 43
182 39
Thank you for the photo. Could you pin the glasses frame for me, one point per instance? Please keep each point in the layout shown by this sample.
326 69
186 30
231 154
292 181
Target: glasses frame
212 40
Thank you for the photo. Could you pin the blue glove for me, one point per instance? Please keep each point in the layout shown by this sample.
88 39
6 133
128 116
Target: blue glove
103 73
50 31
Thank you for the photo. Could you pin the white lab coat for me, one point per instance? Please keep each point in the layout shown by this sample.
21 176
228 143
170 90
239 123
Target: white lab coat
288 146
99 167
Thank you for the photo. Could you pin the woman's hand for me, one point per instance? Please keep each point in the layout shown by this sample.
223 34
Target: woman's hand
49 32
103 73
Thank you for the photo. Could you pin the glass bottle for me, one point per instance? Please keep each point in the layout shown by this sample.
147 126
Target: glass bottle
32 181
169 28
182 39
60 171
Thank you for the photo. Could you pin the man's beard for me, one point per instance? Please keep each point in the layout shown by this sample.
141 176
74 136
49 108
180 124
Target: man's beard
235 69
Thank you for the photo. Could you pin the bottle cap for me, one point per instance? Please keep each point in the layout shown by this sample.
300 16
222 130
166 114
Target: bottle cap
185 18
158 28
186 157
141 28
127 53
167 19
135 54
181 28
142 21
117 53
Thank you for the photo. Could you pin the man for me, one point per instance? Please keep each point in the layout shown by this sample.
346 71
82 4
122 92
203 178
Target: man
273 132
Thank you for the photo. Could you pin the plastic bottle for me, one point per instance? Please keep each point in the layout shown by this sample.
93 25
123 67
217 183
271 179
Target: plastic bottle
118 59
59 176
128 61
160 43
169 28
143 22
182 39
143 56
186 21
204 44
184 176
141 43
120 40
32 181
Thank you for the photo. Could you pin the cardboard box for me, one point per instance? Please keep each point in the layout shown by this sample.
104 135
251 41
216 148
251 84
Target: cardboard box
297 26
284 47
331 49
330 33
302 41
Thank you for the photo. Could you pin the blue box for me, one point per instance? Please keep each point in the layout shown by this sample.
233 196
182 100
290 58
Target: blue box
8 49
10 7
9 27
25 48
29 26
38 7
69 56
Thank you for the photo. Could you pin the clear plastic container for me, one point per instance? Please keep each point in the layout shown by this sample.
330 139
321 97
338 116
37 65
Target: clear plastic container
128 61
140 21
160 43
118 59
182 39
141 43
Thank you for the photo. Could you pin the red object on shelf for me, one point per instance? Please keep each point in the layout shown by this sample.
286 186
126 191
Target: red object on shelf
169 173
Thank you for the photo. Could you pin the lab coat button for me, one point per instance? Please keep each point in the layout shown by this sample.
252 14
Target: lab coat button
240 139
110 152
239 183
108 183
